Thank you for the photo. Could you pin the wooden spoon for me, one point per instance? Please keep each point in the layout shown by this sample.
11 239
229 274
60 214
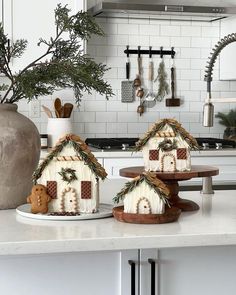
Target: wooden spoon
68 107
47 111
57 107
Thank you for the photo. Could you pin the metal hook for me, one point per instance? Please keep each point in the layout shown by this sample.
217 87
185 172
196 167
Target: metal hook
161 51
139 53
127 51
150 51
172 52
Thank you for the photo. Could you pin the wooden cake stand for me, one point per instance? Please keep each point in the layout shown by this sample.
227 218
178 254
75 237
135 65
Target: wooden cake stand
171 179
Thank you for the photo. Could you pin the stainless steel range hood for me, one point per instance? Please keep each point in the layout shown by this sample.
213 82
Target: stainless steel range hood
198 10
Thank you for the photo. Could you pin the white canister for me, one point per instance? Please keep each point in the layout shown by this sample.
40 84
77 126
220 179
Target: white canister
58 127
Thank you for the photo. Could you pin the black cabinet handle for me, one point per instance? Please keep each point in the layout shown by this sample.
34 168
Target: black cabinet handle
132 264
153 275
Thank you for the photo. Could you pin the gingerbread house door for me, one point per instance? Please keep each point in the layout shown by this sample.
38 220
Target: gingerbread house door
69 202
143 206
168 163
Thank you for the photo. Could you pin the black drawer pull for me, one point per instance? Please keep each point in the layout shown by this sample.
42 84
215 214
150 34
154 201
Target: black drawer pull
132 264
153 275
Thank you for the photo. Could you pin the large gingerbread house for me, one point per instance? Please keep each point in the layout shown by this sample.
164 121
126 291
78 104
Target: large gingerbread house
166 147
145 194
71 174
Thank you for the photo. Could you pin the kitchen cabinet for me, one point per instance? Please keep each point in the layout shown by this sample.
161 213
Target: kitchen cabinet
226 165
78 273
227 55
32 20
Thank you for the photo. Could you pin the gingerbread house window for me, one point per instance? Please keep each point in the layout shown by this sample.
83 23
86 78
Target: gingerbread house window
153 155
181 154
52 189
86 190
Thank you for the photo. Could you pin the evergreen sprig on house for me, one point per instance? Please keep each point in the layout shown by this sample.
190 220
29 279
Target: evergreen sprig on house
153 182
80 148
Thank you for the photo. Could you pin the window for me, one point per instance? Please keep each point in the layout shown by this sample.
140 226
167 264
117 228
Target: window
154 155
182 154
86 190
52 189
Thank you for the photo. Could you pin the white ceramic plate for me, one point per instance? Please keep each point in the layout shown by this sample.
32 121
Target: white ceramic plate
105 210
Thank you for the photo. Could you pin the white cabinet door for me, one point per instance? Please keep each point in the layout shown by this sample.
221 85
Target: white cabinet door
198 270
113 165
32 20
227 56
79 273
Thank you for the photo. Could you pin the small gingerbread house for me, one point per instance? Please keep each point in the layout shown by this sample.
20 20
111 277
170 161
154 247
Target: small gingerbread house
166 147
71 174
145 194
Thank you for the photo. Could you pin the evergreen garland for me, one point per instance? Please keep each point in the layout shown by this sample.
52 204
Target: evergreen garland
176 127
62 65
167 145
83 152
157 185
68 174
163 88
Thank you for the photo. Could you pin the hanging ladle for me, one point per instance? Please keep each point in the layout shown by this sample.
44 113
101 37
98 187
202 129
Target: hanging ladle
150 96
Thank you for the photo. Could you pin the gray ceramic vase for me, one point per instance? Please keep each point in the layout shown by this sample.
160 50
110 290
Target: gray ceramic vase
19 156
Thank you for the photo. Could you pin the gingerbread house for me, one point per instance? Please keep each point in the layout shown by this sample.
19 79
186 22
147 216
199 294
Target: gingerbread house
71 174
166 147
145 194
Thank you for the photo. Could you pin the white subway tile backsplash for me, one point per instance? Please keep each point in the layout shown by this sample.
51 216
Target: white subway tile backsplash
106 117
191 31
180 42
149 30
130 29
169 30
106 50
95 128
117 128
192 41
98 106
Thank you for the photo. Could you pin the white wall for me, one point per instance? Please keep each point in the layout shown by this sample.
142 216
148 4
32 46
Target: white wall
193 41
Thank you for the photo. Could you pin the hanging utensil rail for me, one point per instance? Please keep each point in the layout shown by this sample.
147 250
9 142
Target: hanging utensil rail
140 51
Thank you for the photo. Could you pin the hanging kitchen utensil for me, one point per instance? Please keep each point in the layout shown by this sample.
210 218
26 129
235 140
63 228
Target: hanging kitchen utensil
127 88
173 101
137 81
139 91
150 96
163 87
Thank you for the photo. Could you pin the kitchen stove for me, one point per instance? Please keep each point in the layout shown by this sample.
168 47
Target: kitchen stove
111 143
128 143
207 143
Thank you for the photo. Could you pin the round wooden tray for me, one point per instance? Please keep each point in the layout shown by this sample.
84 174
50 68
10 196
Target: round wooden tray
171 180
171 214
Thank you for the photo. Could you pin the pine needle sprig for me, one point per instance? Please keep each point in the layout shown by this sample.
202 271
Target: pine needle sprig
62 65
163 87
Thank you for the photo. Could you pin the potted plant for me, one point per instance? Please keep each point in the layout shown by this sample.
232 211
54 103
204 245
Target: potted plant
62 65
229 121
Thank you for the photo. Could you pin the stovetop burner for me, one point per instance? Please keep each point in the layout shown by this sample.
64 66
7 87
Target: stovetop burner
126 143
206 143
111 143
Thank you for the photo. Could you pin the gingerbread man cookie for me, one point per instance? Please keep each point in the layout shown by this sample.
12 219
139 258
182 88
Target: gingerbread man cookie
39 199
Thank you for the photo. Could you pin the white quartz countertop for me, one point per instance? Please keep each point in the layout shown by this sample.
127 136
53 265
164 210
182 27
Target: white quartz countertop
213 224
129 154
